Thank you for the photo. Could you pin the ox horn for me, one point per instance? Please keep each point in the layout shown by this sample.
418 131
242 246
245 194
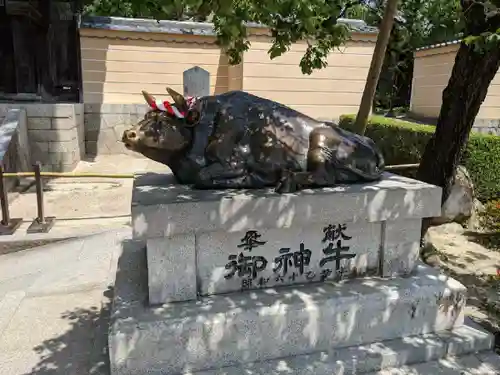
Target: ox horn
150 99
179 99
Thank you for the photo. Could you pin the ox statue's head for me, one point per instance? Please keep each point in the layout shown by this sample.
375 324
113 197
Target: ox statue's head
164 130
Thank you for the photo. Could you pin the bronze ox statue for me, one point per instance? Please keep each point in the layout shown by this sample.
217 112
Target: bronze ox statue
239 140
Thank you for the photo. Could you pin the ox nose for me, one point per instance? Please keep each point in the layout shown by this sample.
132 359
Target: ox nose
129 135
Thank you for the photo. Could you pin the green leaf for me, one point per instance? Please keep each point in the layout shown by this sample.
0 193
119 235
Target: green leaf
470 39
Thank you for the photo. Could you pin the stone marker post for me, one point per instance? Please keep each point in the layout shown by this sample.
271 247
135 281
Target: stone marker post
196 82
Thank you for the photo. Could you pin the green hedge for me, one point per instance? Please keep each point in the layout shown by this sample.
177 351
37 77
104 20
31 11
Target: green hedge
403 142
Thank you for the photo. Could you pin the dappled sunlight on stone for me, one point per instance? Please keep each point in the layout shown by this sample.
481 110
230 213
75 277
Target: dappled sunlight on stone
311 329
410 201
216 277
376 206
270 291
140 225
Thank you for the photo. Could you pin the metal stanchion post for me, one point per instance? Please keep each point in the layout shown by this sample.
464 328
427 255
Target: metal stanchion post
42 223
4 200
7 226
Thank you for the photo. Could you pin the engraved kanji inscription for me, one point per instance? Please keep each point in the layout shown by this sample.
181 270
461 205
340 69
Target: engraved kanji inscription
251 240
243 265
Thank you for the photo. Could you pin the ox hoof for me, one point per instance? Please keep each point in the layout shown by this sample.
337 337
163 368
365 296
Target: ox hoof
287 184
204 175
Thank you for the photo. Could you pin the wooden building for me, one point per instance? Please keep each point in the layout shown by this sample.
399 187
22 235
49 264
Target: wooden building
39 51
431 73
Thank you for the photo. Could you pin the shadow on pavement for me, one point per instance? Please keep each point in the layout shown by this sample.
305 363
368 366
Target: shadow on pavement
83 348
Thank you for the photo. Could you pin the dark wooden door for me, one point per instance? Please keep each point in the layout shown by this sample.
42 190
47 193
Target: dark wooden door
7 73
44 50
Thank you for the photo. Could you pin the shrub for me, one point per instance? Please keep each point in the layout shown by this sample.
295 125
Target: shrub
490 217
403 142
490 221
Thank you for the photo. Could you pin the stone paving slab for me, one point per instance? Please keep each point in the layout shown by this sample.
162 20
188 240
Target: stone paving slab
83 205
66 336
8 307
54 306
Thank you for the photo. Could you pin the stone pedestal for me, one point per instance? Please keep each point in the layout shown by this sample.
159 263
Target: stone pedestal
249 280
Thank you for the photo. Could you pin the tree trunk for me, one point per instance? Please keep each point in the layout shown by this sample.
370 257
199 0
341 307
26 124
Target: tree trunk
376 66
467 88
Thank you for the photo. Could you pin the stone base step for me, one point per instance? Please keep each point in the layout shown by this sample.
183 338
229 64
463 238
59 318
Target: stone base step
480 364
389 355
239 328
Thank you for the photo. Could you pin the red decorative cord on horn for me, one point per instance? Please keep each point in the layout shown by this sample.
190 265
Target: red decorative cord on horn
165 106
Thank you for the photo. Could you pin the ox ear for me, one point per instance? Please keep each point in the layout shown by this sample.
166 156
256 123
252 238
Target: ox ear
150 99
179 99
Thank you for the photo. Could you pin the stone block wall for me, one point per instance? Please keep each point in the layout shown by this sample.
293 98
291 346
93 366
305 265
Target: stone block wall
483 126
105 123
55 134
487 126
14 145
